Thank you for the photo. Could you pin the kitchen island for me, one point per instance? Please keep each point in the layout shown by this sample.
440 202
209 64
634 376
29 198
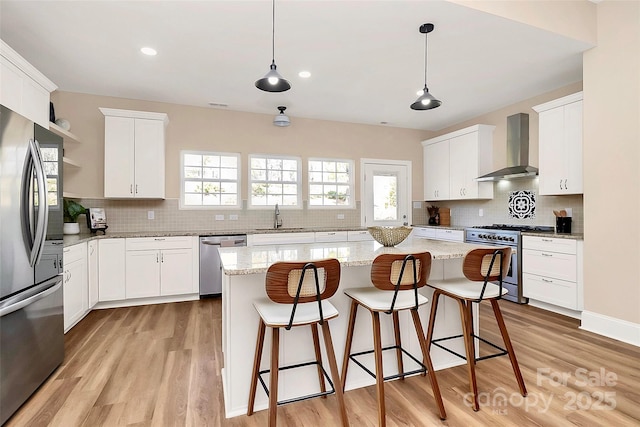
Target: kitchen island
244 281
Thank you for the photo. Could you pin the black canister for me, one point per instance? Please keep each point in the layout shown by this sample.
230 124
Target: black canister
563 224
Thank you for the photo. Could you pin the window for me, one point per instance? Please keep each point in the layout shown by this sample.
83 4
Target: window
330 183
209 180
274 179
51 168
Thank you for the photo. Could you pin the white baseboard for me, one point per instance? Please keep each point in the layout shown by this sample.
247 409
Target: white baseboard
611 327
145 301
555 308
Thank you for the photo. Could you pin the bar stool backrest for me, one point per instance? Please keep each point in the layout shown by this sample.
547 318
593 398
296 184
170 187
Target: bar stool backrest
387 268
283 279
477 263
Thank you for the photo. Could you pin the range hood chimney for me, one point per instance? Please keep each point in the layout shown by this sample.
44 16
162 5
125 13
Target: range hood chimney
517 151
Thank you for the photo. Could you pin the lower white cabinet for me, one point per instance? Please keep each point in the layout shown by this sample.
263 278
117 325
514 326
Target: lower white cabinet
552 271
92 272
75 284
111 269
358 235
159 266
331 236
438 234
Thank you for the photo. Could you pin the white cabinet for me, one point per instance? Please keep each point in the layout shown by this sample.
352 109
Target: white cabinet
560 145
438 234
92 272
358 235
280 238
453 161
160 266
111 269
436 171
134 151
75 285
23 88
331 236
552 271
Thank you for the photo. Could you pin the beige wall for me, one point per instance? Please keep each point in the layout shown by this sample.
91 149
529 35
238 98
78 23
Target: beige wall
194 128
611 162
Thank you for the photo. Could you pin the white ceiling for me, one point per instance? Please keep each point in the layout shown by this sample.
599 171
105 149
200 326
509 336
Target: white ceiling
366 57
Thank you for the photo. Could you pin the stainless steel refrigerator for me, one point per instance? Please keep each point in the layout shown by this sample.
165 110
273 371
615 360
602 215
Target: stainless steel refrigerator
31 312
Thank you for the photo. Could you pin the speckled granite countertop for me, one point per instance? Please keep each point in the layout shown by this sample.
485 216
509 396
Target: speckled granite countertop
442 227
72 239
256 259
574 236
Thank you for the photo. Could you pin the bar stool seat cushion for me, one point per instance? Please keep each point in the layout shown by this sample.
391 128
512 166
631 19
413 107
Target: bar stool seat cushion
380 300
277 315
464 288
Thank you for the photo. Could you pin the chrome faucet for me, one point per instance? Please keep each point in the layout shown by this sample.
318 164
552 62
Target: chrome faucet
277 220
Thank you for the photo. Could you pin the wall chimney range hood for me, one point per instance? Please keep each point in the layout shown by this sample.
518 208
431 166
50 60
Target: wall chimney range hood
517 151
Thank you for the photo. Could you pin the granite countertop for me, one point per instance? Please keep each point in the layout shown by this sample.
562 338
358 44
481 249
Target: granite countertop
443 227
256 259
574 236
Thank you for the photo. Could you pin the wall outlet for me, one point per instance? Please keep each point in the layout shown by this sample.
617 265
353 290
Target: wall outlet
219 217
480 212
417 205
151 214
340 216
233 217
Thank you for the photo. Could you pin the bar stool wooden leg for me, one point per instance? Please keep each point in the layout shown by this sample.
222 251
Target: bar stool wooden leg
432 317
333 366
377 342
256 366
347 349
468 343
273 383
507 343
472 339
427 362
396 330
316 346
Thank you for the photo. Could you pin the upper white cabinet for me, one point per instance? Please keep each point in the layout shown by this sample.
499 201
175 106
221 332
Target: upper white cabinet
453 161
134 143
23 88
560 145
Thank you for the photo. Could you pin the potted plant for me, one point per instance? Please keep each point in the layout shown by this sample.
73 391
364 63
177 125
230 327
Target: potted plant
72 210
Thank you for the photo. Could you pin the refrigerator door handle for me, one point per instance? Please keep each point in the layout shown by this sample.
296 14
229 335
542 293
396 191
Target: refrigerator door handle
25 302
43 205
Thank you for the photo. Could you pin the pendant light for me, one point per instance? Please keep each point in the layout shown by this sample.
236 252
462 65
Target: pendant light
273 81
281 119
426 101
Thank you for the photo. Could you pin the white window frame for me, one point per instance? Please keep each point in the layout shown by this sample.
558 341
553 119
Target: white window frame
298 182
238 180
350 184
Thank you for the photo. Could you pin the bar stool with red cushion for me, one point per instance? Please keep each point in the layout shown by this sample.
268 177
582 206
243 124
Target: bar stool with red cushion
480 267
396 279
297 297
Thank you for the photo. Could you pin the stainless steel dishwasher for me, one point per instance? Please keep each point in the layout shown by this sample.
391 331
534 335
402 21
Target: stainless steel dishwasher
210 263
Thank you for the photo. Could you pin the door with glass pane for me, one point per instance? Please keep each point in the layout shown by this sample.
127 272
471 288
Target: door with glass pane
385 196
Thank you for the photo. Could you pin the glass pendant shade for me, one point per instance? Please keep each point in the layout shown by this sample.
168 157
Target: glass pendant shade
426 101
273 81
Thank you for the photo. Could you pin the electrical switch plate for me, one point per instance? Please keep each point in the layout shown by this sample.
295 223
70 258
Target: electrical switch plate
340 216
417 205
151 214
219 217
480 212
233 217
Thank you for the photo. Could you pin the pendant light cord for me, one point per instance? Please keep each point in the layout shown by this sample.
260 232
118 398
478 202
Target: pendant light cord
273 31
425 60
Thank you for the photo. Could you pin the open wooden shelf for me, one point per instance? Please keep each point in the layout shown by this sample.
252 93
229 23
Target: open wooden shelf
63 133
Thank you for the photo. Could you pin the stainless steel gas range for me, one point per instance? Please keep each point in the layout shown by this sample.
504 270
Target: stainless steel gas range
506 235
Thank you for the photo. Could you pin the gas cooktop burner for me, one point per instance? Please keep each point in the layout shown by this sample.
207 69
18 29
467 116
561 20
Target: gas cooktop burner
526 228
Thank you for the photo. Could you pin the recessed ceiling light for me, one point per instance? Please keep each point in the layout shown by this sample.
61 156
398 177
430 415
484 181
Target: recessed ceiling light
304 74
149 51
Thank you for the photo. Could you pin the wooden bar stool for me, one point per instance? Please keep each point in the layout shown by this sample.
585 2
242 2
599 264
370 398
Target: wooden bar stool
297 297
396 279
480 267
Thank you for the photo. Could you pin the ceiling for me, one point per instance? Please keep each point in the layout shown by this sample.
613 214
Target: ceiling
366 57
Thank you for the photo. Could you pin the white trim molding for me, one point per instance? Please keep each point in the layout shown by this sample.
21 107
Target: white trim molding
611 327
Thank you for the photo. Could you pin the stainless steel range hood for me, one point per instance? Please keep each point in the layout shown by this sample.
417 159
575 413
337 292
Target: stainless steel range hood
517 151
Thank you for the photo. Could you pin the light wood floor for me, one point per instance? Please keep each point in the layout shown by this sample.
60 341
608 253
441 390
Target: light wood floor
160 366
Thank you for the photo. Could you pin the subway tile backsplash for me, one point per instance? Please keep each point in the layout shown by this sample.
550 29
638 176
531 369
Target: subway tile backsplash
132 215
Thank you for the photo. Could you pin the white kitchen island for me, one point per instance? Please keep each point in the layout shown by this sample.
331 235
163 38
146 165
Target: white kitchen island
243 282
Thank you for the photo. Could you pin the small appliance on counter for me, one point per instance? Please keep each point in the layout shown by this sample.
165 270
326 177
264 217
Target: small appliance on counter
96 220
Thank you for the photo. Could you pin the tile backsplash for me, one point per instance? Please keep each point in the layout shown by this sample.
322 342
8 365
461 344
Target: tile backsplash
133 215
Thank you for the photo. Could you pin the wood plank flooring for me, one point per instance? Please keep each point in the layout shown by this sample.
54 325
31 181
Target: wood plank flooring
159 365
